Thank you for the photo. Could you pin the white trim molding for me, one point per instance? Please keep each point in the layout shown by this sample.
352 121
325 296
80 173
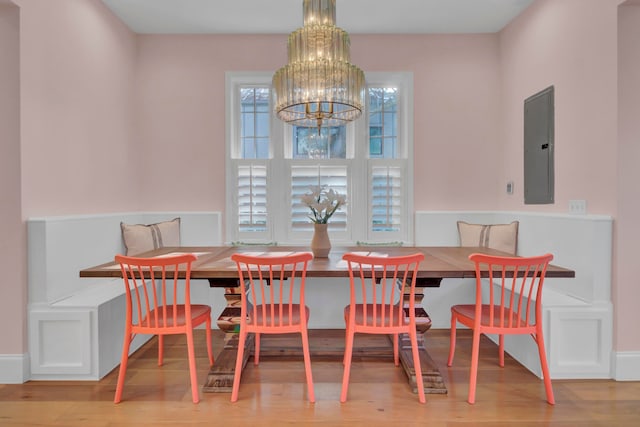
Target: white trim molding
626 366
14 368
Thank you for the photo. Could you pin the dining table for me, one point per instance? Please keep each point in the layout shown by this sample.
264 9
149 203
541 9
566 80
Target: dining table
214 264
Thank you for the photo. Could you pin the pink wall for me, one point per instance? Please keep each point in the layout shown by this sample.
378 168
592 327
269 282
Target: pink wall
78 67
456 104
180 107
575 45
456 80
570 44
627 294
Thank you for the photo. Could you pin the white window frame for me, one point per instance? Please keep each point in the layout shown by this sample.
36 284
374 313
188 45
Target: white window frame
233 82
404 82
358 166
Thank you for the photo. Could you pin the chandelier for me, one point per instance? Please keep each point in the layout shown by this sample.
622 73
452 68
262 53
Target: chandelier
318 87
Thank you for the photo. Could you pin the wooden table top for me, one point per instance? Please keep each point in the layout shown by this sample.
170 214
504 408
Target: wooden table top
441 262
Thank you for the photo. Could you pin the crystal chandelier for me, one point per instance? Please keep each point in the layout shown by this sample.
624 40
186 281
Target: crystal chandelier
319 87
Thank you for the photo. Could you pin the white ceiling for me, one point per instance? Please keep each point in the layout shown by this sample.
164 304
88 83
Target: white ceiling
284 16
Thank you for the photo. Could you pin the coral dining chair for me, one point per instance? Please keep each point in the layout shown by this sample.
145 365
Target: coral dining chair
272 302
514 306
378 286
154 294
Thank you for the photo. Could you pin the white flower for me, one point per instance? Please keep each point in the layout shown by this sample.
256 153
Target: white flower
323 203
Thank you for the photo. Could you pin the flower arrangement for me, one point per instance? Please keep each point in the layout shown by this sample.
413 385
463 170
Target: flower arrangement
323 203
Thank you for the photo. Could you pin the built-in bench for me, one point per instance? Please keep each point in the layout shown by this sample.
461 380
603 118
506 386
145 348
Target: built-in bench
577 312
76 325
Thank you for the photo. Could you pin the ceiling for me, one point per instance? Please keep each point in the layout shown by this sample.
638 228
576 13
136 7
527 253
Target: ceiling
284 16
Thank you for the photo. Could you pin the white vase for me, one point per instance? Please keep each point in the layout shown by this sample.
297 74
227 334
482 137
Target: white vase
320 243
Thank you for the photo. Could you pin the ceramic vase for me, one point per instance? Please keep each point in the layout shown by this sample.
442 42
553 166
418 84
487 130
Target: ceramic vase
320 243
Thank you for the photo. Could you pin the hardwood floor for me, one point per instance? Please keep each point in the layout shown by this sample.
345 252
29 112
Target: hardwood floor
274 393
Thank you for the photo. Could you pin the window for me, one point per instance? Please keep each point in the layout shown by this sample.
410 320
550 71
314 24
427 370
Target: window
271 165
383 122
254 121
328 143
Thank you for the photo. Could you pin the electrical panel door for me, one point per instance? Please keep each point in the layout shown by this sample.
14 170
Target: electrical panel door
539 147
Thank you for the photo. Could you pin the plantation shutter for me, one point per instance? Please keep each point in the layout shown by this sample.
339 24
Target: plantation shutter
252 197
386 197
303 179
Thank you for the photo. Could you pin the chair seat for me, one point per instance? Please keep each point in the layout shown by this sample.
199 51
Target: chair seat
372 315
510 320
285 315
180 319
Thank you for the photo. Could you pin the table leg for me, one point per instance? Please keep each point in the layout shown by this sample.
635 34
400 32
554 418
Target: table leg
431 377
220 377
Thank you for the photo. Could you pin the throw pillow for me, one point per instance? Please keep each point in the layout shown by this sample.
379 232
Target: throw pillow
140 238
502 237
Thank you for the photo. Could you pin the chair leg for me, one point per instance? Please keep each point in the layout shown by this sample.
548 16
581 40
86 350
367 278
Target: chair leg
123 366
473 375
348 351
396 352
195 394
346 338
501 350
256 349
160 349
238 370
452 340
307 365
416 365
545 367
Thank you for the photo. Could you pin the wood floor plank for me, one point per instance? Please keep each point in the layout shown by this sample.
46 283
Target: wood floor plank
274 393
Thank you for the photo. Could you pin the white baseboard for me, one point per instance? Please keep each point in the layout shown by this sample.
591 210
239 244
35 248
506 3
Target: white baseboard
626 366
14 368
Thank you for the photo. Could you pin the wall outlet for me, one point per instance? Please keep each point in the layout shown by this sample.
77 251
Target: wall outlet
578 207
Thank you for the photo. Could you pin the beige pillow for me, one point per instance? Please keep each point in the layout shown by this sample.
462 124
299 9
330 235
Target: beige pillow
502 237
140 238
